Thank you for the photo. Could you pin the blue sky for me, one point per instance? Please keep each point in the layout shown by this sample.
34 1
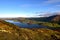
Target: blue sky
28 8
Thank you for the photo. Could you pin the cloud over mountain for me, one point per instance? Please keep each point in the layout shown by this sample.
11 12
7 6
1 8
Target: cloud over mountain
47 14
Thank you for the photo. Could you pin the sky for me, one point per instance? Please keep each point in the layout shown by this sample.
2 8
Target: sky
28 8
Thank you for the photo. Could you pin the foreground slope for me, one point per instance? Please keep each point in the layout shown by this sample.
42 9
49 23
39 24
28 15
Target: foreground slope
10 31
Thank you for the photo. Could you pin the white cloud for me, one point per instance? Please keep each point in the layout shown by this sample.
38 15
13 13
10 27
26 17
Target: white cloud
46 14
12 15
17 15
52 1
58 5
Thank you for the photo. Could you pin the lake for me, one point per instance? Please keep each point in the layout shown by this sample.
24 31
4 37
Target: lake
25 25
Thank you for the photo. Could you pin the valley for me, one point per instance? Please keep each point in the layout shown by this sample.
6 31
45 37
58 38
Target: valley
27 29
9 31
29 19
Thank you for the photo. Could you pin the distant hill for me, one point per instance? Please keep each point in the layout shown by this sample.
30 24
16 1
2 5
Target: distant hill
54 18
38 19
10 31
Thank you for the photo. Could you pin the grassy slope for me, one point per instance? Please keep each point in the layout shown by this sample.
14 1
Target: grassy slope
11 32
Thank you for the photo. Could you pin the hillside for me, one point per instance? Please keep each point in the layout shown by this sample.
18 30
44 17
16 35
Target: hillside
10 31
47 19
38 19
56 19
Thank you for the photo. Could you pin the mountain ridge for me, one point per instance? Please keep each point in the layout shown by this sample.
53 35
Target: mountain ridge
47 19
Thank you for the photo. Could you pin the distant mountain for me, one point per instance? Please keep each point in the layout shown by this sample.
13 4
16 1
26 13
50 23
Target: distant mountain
54 18
38 19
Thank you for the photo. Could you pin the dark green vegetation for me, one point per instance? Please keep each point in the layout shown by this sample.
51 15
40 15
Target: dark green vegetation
10 31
